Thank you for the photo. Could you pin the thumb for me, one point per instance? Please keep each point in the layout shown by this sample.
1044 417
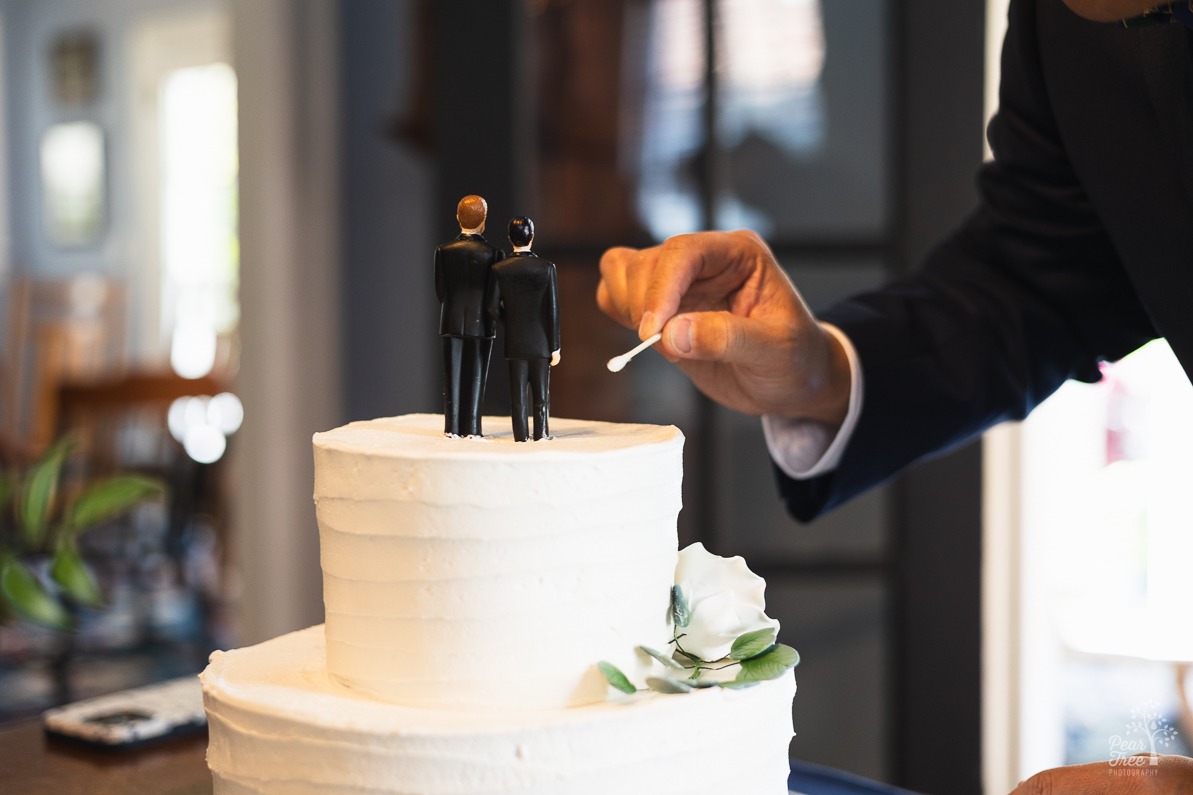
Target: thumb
714 337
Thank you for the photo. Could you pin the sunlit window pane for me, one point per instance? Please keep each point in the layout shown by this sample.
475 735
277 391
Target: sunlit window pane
72 173
1108 548
200 251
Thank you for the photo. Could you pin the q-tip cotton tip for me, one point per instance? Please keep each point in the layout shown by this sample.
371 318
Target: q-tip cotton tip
617 363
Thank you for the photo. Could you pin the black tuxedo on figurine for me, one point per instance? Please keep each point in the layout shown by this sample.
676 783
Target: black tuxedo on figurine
463 283
1081 250
526 298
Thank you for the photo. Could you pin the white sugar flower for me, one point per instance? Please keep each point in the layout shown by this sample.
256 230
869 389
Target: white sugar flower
725 599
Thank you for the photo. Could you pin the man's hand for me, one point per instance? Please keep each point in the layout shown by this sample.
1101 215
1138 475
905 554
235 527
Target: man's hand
732 321
1134 775
555 357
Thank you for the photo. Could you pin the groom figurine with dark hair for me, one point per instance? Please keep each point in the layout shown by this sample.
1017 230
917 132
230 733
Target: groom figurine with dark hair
463 283
526 299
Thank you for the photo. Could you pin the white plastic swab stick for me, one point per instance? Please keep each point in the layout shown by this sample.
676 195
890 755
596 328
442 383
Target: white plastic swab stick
618 362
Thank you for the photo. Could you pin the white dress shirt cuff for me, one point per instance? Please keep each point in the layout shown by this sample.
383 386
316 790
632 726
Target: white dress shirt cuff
804 448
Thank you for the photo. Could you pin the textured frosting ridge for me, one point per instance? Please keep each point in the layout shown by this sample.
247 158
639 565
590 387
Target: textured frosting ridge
279 723
488 574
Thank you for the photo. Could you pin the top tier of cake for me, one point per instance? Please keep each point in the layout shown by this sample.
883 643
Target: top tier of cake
491 574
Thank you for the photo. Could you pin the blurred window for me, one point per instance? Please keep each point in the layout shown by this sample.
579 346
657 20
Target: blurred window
199 241
1107 551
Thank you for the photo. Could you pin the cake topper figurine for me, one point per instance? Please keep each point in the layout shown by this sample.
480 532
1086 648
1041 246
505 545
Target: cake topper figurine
464 285
526 299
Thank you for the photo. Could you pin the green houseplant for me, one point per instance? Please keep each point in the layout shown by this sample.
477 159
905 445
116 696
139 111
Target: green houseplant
42 520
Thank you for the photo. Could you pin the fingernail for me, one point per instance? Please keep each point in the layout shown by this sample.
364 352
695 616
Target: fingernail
679 335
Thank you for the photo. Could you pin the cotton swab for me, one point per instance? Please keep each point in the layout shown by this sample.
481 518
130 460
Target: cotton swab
616 364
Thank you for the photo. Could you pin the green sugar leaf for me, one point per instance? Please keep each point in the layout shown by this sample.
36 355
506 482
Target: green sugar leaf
668 662
734 684
24 594
752 644
770 665
661 684
110 498
702 684
680 612
74 577
616 679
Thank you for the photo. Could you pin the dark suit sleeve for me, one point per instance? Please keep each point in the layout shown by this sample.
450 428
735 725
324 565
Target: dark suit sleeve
439 286
1028 293
553 307
494 299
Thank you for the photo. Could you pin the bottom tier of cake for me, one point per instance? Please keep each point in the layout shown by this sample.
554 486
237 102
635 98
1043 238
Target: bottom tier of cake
279 723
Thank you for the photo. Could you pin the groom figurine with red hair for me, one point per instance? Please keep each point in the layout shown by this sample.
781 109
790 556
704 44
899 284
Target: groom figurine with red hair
463 283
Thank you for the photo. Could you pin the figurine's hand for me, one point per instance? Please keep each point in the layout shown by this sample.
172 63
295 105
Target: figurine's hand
555 357
1170 774
731 320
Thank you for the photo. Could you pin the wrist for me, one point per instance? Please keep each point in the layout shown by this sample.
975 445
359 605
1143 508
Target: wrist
828 381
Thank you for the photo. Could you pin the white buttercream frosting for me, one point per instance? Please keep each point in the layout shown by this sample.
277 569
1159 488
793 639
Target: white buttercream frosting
490 574
471 585
279 723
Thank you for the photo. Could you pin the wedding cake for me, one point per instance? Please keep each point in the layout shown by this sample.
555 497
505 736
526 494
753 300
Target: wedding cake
495 613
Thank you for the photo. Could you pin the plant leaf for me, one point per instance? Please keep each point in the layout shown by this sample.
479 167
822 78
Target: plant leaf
668 662
752 644
22 591
661 684
769 665
680 612
74 576
37 495
109 498
616 678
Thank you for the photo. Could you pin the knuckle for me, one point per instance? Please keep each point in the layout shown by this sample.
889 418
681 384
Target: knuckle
614 259
1039 784
681 241
749 235
711 339
752 239
602 297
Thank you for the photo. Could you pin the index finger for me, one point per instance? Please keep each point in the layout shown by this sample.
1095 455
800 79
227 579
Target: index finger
682 261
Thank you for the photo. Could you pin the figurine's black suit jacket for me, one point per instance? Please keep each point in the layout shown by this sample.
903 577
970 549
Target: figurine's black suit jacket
463 284
527 300
1081 250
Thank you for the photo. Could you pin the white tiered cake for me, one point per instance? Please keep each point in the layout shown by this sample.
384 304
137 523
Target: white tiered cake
470 588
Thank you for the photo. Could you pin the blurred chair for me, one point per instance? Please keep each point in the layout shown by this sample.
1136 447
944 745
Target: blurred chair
60 330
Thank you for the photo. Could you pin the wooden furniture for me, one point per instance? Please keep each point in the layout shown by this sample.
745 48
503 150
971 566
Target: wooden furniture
31 764
98 412
59 329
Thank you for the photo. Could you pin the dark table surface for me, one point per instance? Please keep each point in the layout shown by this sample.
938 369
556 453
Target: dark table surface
31 763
